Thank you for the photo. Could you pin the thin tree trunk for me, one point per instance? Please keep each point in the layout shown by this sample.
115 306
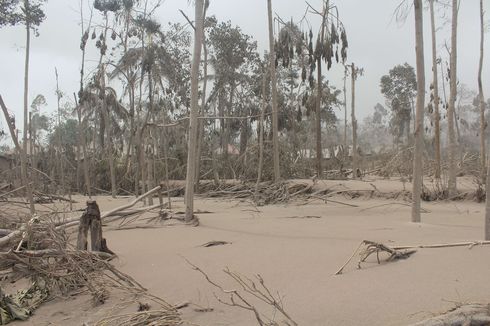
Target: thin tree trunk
275 120
318 103
23 156
318 120
354 123
31 150
435 85
150 171
452 101
345 106
83 141
165 155
201 123
261 134
419 129
481 97
191 154
60 145
487 204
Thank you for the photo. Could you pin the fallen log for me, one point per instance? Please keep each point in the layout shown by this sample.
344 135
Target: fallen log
75 220
400 252
47 253
470 314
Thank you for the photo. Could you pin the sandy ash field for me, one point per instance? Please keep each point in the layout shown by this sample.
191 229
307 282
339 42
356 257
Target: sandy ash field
297 248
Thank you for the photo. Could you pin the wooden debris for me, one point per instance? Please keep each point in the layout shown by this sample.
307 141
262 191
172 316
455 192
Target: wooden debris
372 247
469 314
400 252
215 243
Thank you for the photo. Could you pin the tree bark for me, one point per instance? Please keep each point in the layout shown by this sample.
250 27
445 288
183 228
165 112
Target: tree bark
435 85
23 156
481 97
90 220
452 101
419 116
275 120
191 148
354 123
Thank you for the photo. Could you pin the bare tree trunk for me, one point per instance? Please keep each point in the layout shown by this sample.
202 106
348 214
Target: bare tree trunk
23 156
345 106
435 86
318 120
452 101
418 132
487 204
318 103
481 97
191 154
31 150
275 120
354 123
165 155
150 171
81 125
203 111
86 171
15 139
60 145
261 134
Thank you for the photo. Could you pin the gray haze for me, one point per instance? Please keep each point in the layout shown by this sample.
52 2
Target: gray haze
376 42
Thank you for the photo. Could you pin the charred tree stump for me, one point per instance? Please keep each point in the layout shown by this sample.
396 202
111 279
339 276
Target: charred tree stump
90 220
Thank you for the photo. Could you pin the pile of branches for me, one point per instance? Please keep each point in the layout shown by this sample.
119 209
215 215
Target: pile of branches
44 255
264 193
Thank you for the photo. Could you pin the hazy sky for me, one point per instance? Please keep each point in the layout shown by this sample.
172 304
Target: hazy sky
376 42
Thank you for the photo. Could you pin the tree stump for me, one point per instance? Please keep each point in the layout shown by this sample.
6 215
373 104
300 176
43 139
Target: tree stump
90 220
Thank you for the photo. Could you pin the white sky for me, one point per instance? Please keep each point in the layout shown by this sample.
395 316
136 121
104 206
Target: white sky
376 43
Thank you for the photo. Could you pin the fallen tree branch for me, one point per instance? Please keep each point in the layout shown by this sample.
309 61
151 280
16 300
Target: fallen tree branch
469 244
401 252
423 210
372 247
249 288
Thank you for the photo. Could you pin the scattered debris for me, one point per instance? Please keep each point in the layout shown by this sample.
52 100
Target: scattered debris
215 243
